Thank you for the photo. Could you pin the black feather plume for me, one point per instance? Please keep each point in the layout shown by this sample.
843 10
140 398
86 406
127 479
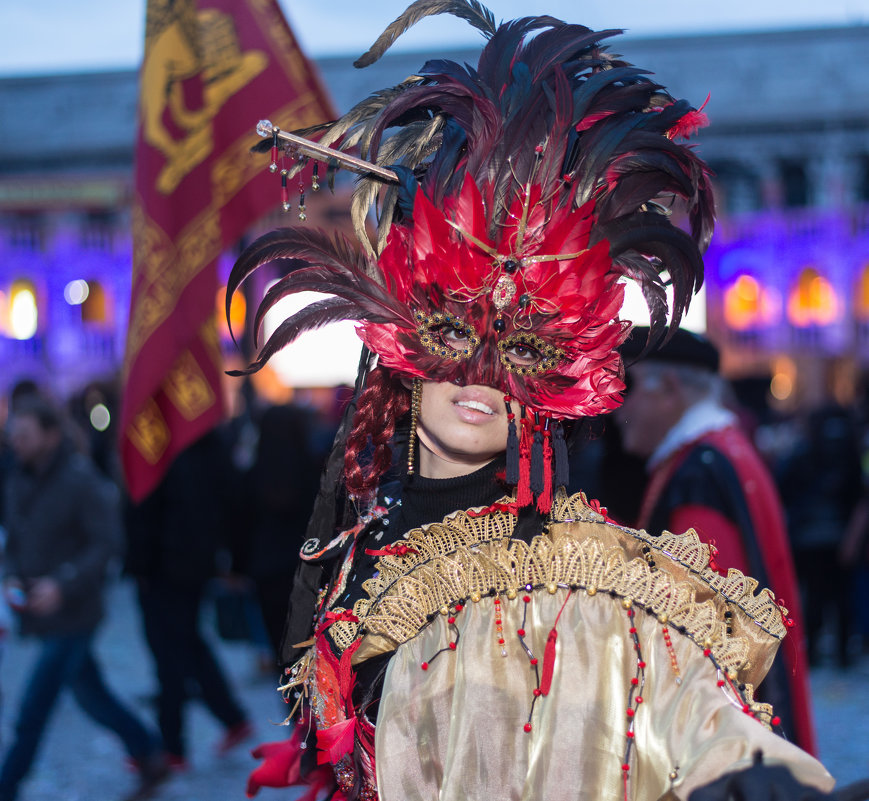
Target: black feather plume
473 12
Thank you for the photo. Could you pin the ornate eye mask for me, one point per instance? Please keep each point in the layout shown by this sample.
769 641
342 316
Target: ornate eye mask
444 334
524 353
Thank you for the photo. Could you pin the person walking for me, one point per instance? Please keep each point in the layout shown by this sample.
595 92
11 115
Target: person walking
175 537
63 529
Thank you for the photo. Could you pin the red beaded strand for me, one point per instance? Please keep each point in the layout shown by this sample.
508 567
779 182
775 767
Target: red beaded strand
499 627
635 694
450 614
674 662
532 660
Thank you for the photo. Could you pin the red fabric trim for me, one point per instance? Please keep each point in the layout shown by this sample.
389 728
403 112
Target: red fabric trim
714 528
767 517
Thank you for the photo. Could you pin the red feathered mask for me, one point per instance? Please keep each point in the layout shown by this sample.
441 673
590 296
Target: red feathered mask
533 313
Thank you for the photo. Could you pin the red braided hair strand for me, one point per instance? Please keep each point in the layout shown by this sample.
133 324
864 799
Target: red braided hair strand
383 401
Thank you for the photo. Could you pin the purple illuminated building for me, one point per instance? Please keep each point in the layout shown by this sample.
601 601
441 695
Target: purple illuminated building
787 274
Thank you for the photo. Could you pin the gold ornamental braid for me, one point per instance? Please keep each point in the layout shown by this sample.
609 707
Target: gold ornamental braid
468 557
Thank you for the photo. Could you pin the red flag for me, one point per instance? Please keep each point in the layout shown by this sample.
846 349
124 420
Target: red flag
211 70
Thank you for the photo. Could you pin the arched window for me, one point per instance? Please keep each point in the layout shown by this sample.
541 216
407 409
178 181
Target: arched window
795 183
861 296
23 310
812 301
95 307
748 304
237 314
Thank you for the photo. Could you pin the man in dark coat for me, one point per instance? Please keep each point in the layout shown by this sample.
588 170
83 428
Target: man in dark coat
175 537
63 528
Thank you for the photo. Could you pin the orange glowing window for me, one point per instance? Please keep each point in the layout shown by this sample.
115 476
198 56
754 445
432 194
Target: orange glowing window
861 300
95 306
813 300
237 313
747 304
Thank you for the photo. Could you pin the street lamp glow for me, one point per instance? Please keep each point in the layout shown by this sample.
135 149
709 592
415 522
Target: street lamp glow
76 292
100 417
23 314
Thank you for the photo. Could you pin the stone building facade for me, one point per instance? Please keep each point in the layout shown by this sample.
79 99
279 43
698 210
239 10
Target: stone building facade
787 274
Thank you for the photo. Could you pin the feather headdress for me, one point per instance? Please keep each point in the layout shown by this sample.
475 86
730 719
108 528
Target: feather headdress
519 193
524 189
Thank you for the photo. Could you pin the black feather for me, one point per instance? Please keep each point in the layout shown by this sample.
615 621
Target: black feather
316 315
469 10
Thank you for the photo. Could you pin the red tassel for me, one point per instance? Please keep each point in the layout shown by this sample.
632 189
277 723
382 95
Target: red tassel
523 492
544 500
548 663
549 652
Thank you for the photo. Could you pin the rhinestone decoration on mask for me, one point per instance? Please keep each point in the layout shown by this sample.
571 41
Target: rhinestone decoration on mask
533 313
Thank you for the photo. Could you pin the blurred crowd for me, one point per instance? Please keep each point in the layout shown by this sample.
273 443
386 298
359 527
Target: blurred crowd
223 529
220 532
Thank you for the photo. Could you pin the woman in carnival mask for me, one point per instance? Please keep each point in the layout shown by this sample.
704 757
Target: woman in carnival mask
468 630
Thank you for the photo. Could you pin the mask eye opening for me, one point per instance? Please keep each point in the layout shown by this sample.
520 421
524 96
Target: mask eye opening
432 329
549 356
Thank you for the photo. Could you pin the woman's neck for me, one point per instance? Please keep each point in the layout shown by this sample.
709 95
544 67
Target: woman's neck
432 463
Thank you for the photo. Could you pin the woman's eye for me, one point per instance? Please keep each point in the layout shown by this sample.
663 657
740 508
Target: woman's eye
523 355
453 337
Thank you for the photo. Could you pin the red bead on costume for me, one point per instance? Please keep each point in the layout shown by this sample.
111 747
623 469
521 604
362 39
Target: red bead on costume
639 699
720 682
776 721
452 646
451 620
526 598
534 661
635 681
520 632
630 713
459 607
424 666
537 692
629 735
626 767
527 727
641 664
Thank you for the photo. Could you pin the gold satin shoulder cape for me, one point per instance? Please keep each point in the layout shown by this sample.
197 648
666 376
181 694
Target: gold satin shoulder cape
651 669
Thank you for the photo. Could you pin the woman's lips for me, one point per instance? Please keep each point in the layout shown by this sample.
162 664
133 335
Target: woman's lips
477 405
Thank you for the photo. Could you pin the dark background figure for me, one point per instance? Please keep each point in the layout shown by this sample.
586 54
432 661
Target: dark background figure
63 530
175 538
704 473
820 482
279 490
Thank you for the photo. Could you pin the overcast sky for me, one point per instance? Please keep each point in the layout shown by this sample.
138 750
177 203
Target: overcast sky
73 35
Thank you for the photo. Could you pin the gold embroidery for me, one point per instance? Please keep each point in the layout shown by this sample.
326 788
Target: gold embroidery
188 388
284 47
149 433
179 46
162 270
466 555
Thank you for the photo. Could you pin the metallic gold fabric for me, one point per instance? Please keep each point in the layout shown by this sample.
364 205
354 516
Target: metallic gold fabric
454 732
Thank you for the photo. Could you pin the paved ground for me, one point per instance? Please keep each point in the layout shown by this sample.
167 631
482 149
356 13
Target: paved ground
81 762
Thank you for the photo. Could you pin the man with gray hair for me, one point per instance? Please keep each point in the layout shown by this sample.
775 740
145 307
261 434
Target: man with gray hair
704 473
